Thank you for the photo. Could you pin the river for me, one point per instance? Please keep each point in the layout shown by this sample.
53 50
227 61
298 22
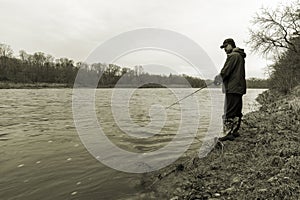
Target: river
42 156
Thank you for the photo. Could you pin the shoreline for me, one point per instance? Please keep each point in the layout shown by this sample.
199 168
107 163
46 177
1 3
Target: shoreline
12 85
263 163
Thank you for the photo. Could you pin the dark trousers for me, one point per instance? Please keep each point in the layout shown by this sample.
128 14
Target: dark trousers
233 106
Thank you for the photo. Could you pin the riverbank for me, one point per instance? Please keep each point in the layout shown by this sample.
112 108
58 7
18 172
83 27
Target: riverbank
263 163
12 85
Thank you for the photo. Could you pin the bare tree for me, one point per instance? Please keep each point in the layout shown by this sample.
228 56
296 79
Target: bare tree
23 55
6 51
275 30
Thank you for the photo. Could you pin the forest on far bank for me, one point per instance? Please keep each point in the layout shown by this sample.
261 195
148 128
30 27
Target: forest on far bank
40 68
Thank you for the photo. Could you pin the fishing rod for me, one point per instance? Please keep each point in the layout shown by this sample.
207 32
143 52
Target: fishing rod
188 96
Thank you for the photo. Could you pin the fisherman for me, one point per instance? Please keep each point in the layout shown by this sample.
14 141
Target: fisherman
232 77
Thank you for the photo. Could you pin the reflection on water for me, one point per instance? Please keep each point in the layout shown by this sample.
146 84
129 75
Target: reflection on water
42 157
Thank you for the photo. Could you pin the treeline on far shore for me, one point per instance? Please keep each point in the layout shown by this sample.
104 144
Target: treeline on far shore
40 70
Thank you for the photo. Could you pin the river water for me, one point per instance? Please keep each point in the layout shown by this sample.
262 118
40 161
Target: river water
42 156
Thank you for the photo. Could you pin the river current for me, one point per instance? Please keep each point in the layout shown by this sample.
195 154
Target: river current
42 156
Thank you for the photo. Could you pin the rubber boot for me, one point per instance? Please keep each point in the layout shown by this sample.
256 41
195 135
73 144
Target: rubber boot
228 126
236 126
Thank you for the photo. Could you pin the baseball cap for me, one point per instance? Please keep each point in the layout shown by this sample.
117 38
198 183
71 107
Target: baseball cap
226 42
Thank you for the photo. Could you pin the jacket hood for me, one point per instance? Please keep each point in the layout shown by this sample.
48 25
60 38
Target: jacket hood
240 51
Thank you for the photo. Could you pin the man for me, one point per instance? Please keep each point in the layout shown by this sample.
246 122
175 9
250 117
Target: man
234 86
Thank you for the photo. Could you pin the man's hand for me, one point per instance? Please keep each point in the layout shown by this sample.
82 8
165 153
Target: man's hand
218 80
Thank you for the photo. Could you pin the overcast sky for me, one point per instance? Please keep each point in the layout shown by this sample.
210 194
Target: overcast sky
73 28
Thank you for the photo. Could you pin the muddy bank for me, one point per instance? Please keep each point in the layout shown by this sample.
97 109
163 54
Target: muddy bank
263 163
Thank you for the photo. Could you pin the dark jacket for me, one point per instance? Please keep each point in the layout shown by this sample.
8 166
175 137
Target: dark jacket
233 72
